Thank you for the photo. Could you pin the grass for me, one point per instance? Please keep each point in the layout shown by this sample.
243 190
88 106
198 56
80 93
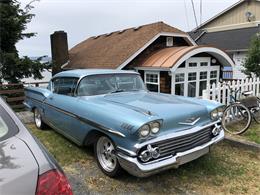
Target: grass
225 170
252 134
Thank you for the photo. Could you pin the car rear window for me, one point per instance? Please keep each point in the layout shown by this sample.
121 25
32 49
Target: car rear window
7 125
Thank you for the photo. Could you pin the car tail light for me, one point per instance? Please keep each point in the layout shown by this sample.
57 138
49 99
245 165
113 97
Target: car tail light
53 182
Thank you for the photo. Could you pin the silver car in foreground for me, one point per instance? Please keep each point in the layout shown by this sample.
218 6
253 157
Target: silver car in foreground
25 166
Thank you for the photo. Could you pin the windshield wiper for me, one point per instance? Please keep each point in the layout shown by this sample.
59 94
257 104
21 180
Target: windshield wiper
117 91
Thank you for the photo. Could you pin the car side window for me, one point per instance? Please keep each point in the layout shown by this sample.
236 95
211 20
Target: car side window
7 125
65 85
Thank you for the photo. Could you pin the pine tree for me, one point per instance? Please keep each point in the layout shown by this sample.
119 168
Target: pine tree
252 62
13 21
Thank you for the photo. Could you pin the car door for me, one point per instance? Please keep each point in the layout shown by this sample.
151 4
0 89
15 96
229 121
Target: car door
18 167
61 111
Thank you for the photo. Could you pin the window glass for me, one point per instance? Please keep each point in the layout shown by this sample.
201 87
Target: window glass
192 64
203 85
65 86
192 89
109 83
7 126
204 64
151 78
56 84
179 89
213 81
213 74
192 76
152 81
152 87
179 77
203 75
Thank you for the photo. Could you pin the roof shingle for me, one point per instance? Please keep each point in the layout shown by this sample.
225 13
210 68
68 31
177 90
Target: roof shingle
111 50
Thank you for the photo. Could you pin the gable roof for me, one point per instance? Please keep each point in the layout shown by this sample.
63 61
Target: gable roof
229 40
221 13
113 49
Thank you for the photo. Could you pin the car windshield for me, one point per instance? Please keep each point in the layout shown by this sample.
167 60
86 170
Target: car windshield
110 83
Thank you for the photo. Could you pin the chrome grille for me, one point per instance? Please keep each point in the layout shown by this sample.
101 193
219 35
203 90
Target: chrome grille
185 142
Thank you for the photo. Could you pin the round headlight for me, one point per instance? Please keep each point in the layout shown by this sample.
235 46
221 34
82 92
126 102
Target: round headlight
144 131
214 114
155 127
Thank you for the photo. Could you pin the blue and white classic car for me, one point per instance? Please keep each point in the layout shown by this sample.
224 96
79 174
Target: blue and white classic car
131 128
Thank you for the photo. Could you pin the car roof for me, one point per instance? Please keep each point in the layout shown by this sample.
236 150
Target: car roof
86 72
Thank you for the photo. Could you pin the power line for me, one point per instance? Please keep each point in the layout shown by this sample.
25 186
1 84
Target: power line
186 14
200 12
195 17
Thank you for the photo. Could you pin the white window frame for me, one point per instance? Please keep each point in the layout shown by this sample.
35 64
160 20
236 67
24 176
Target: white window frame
179 82
152 83
186 70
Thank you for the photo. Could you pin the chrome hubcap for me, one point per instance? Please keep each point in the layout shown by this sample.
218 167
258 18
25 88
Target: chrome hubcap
106 154
37 118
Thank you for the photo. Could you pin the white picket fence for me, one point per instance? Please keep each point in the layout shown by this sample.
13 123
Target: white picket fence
221 93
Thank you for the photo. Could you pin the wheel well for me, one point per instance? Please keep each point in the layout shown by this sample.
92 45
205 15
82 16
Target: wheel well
92 136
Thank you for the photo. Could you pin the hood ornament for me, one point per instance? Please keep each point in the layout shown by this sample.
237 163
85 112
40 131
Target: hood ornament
190 121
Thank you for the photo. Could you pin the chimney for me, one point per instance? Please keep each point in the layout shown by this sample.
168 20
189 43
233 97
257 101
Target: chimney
59 50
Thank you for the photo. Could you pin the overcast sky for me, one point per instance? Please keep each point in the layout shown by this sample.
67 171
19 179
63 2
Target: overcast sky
84 18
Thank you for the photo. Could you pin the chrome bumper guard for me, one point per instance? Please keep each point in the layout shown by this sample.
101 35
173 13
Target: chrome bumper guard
134 167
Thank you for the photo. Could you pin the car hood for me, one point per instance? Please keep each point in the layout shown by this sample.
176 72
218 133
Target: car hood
172 109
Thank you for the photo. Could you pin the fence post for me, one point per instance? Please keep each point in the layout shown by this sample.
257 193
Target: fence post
213 87
224 93
219 91
257 86
206 93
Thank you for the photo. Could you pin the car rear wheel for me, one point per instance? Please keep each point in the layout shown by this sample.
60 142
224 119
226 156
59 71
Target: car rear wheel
38 119
106 157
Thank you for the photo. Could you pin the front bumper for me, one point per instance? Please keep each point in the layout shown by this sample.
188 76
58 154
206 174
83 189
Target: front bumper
134 167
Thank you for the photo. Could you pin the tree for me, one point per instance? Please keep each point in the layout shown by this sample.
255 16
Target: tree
252 62
13 21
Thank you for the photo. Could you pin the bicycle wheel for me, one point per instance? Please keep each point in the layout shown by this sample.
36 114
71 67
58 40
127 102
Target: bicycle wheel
256 111
236 119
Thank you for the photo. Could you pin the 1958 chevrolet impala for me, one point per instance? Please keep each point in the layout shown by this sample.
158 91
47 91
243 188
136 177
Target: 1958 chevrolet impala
131 128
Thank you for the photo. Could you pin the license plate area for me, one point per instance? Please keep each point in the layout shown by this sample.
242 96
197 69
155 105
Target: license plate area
192 156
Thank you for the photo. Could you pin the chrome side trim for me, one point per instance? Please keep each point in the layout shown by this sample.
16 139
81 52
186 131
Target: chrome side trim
116 132
92 123
174 134
131 153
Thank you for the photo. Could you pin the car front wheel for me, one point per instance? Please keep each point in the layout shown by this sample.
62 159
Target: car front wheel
106 157
38 119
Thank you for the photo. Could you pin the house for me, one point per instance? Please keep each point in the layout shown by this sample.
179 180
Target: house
231 30
167 58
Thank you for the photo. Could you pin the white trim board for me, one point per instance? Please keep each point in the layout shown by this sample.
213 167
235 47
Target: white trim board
150 42
217 53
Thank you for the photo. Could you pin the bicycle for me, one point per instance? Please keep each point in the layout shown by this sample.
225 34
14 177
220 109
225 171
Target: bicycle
237 117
